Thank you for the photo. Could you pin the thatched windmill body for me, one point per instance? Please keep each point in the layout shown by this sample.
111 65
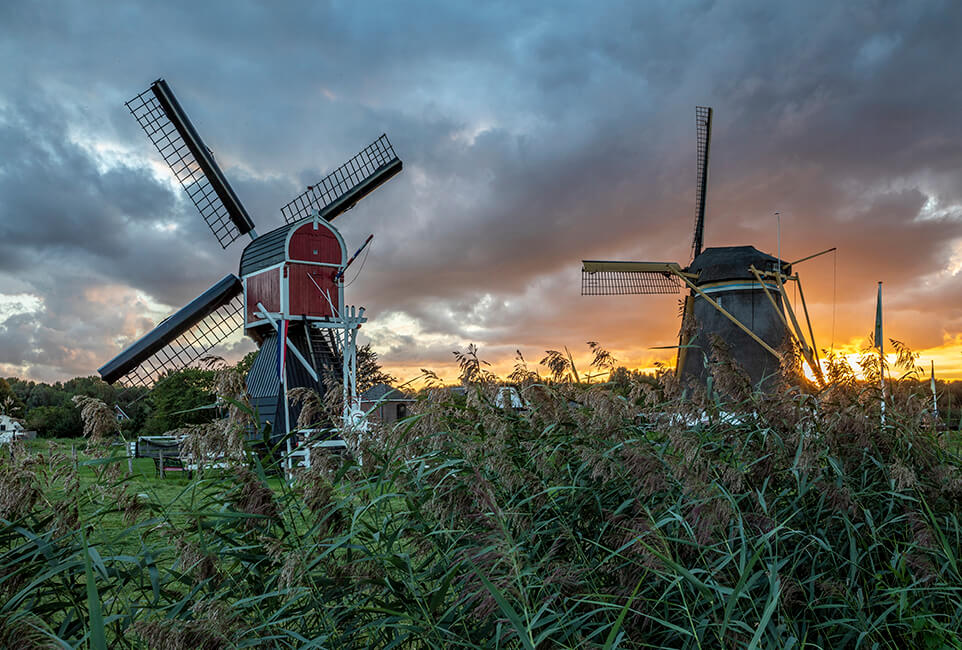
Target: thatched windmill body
289 293
734 293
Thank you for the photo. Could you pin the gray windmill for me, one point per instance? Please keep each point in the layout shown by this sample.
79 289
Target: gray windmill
736 293
288 295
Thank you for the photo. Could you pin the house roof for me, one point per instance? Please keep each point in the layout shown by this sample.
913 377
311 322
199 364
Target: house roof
385 393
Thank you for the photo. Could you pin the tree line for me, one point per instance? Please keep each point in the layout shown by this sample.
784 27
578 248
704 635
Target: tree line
178 399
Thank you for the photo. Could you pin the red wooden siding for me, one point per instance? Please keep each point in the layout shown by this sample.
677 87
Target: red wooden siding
309 245
305 299
263 288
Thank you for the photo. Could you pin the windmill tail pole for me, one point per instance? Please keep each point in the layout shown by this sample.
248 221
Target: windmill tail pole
340 274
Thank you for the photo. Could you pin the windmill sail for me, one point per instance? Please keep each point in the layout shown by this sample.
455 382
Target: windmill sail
628 278
183 338
167 126
340 190
703 115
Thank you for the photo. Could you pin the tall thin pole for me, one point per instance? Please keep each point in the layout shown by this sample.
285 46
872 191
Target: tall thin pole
287 410
778 238
880 342
348 313
935 399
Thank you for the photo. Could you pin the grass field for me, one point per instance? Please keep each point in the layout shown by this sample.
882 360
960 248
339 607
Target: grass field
636 518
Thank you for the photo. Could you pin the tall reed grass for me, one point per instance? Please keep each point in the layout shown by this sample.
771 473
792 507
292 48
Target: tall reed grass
635 516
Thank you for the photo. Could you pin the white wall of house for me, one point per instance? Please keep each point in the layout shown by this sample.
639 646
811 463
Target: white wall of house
10 428
7 424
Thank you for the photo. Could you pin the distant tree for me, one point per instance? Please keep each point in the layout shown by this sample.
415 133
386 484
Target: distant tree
55 421
20 387
92 387
10 404
369 371
174 398
244 365
41 394
621 379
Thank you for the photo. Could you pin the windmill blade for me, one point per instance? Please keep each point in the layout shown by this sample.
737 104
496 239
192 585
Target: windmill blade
183 338
167 126
340 190
629 278
703 115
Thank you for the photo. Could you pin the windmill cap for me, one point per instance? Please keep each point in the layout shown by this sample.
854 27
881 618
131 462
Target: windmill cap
731 263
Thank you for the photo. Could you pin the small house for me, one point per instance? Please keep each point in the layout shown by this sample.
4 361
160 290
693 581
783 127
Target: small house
10 425
13 429
385 404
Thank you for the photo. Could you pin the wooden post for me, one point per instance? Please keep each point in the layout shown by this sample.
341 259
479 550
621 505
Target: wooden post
811 333
687 315
769 296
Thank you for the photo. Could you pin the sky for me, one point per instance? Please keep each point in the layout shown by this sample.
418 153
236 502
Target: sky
533 135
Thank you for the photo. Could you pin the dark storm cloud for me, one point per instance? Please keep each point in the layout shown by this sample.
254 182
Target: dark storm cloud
533 136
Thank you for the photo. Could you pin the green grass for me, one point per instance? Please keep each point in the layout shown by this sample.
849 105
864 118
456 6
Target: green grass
593 519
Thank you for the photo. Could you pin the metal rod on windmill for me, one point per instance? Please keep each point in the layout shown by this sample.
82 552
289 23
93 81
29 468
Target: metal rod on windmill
340 274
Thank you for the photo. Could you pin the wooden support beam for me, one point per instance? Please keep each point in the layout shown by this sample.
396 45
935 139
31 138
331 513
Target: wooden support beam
808 321
683 344
828 250
806 352
768 295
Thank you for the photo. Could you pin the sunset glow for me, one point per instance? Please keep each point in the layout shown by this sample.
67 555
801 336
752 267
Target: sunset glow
531 140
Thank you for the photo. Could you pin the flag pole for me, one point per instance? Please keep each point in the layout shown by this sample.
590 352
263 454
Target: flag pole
880 342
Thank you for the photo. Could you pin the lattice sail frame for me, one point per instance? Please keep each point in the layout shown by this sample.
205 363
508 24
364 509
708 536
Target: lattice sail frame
703 116
191 346
623 283
189 172
352 174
